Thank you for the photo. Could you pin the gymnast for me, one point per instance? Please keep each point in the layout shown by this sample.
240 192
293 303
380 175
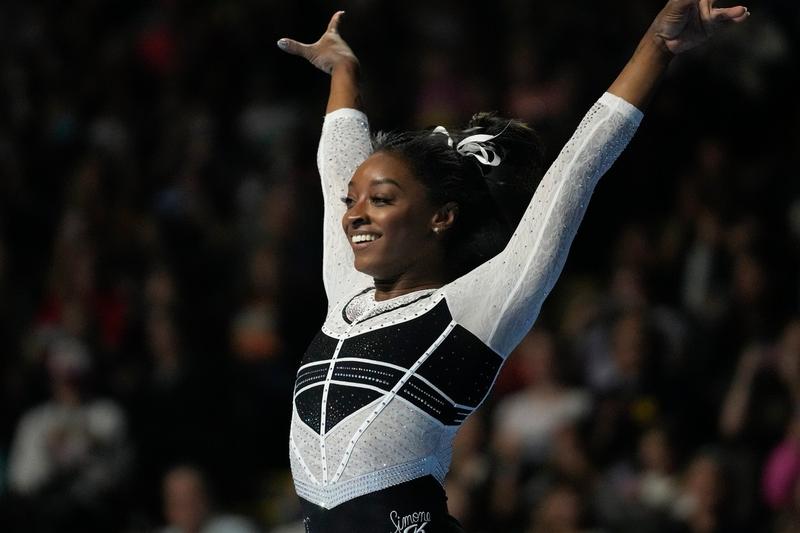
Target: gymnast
440 247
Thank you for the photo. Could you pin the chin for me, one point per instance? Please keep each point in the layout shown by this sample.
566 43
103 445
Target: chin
363 266
372 270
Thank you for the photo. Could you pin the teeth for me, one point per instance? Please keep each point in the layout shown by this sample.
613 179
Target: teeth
363 238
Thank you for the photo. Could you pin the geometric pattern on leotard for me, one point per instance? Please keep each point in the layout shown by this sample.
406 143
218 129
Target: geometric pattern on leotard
463 368
398 344
320 348
343 401
437 350
448 386
307 406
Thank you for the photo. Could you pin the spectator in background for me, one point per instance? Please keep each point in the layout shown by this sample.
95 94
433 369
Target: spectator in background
526 421
168 413
188 507
701 505
69 456
469 473
640 498
623 373
763 391
560 511
657 484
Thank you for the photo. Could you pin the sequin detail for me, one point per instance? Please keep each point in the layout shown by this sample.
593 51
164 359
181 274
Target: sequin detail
397 378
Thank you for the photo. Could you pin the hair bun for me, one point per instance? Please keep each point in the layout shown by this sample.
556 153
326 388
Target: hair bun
512 182
519 142
488 121
491 199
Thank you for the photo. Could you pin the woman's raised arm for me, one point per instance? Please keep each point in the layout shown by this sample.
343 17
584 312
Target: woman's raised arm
680 26
344 145
500 300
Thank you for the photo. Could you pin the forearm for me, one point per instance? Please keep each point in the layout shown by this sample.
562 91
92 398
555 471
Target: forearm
639 79
345 91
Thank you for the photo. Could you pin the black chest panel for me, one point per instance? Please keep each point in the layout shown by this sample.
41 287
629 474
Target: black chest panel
452 381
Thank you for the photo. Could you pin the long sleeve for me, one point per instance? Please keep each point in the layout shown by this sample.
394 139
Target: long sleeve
499 300
344 145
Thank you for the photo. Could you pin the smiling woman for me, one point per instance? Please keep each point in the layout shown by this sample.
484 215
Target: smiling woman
443 265
391 224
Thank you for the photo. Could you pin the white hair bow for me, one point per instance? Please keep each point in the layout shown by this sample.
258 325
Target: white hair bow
475 145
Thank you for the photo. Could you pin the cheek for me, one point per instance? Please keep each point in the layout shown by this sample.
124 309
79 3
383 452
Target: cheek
411 227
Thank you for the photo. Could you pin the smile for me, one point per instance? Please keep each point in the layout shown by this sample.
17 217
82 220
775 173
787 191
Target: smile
364 237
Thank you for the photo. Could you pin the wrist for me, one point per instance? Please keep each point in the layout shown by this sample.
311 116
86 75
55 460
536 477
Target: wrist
654 46
344 85
346 67
638 80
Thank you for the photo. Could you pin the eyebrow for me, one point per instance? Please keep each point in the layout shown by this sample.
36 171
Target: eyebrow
379 181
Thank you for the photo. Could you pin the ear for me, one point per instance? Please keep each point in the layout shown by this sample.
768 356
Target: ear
444 218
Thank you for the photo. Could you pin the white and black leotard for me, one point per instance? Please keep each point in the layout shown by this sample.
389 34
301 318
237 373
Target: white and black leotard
385 385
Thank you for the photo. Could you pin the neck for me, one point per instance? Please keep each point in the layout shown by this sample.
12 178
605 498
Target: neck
386 290
430 273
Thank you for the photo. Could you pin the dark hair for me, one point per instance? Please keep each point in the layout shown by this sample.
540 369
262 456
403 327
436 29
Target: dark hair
491 200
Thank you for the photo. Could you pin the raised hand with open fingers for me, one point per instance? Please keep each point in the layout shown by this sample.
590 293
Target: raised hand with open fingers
685 24
328 52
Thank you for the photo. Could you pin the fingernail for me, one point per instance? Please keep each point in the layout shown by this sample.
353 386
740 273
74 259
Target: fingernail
283 44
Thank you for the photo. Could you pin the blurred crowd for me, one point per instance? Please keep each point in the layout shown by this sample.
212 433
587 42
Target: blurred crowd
160 247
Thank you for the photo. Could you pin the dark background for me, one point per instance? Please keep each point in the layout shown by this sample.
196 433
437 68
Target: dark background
159 205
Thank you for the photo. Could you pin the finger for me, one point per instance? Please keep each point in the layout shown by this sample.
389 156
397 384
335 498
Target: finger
732 14
706 8
333 25
293 47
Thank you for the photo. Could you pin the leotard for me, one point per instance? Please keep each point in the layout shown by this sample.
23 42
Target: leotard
385 385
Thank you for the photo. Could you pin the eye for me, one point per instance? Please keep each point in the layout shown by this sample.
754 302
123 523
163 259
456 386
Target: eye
380 200
347 201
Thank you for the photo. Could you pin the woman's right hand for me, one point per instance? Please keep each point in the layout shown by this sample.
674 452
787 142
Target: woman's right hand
685 24
329 52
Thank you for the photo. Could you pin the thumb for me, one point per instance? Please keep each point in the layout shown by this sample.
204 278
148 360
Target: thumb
293 47
730 14
333 25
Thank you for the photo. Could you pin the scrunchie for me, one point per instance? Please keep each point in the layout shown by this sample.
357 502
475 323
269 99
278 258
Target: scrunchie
477 146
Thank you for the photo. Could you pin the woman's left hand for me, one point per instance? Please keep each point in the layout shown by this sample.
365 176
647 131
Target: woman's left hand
684 24
328 52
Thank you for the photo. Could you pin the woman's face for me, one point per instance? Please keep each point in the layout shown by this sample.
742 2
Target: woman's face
390 221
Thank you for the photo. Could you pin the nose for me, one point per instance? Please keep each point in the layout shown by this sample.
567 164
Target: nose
357 216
